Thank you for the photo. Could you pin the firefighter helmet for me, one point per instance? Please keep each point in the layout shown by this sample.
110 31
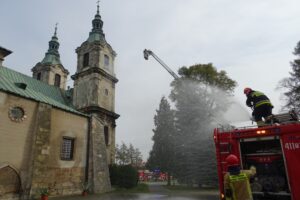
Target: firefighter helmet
232 160
247 90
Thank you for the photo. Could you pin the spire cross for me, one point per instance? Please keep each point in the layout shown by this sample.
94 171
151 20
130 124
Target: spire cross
98 6
55 29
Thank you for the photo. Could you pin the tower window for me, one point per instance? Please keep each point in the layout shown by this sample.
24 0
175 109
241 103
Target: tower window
57 80
86 60
67 148
39 75
106 60
106 135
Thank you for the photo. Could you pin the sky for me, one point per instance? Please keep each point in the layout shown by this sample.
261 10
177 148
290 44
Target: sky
252 41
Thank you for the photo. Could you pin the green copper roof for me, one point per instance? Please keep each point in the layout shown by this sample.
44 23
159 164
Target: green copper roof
52 56
95 37
97 32
11 80
51 59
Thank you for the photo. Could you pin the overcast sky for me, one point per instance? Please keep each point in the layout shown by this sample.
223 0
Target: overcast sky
252 41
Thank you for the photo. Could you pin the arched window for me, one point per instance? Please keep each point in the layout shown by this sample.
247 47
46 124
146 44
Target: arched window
10 182
86 60
106 60
57 80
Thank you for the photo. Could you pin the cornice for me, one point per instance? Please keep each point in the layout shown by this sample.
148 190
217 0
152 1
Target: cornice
94 70
46 67
100 110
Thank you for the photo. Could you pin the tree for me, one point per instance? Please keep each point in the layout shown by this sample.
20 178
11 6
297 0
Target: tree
208 75
128 155
292 84
200 98
162 154
135 156
122 156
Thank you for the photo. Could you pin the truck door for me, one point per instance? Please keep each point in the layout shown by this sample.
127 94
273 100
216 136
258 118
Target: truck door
291 148
265 153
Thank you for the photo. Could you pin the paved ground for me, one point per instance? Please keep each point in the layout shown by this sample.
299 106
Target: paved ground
157 191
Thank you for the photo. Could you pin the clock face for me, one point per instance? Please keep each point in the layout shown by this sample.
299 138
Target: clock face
17 114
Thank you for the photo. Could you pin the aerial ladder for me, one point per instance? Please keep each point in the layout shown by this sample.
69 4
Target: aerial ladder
148 53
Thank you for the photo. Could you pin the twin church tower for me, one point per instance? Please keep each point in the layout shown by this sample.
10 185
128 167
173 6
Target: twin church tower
94 80
57 137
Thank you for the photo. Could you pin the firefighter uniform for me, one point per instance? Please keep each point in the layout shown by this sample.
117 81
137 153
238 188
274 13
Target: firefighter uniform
239 185
262 106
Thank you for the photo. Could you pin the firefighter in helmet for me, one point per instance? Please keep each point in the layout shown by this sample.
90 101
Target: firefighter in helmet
236 181
261 105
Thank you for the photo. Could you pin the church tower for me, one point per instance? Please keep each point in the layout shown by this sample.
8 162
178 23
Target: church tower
50 70
94 82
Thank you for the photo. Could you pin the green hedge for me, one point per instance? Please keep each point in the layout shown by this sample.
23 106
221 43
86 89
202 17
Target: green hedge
124 176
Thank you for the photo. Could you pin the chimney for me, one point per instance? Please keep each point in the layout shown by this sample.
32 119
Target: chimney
3 53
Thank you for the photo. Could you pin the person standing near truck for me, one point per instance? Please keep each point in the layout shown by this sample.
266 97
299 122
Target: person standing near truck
261 105
236 181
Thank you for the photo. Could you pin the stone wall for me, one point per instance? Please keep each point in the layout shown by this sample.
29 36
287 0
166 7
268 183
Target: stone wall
16 137
31 148
41 148
98 166
62 177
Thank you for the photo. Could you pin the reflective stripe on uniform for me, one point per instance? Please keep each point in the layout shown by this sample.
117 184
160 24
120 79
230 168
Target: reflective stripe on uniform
240 187
257 93
263 102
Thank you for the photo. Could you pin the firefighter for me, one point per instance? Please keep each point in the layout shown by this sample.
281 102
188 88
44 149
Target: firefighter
236 181
261 106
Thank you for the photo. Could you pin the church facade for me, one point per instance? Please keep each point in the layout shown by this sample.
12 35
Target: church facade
56 138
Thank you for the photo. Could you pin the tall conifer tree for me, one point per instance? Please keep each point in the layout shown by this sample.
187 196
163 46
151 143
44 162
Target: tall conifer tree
200 97
162 154
292 84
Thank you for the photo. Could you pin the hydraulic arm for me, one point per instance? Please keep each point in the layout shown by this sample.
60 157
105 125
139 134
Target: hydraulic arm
149 52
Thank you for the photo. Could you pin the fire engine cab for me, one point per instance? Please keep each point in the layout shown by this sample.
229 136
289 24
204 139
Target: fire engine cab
273 149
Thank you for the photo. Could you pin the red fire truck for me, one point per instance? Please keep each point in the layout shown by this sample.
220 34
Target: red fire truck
275 152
